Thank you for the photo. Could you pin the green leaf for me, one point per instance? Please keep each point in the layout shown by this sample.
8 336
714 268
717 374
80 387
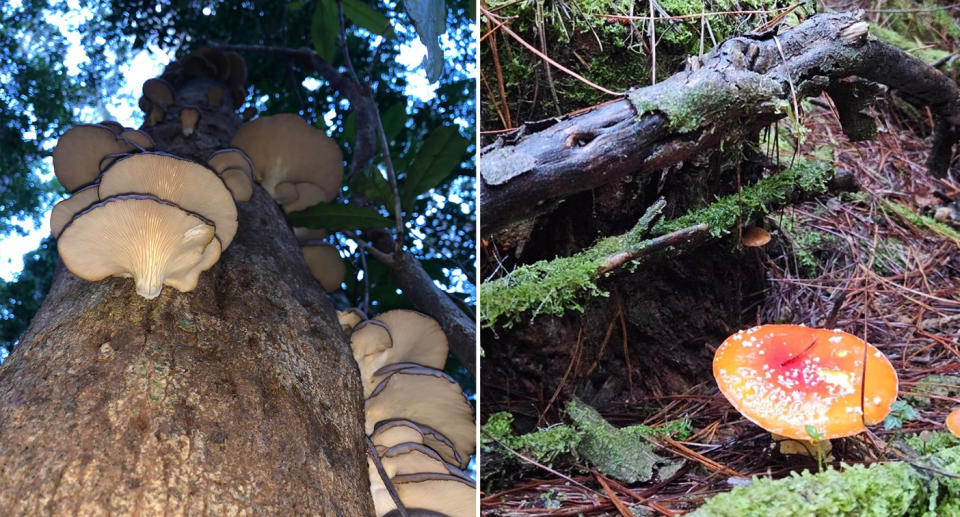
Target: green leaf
364 16
296 6
440 153
350 129
325 28
338 217
393 120
374 187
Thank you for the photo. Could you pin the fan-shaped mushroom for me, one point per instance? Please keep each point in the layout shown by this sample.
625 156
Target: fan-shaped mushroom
138 236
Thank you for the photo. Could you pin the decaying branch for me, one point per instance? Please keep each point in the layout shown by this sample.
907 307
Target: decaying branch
741 86
552 287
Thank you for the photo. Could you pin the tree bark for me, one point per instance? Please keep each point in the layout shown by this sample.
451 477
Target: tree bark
741 86
238 398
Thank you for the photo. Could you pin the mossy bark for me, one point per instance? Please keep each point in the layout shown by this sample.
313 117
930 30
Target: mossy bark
238 398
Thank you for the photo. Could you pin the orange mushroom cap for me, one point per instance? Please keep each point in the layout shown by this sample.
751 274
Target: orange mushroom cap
787 377
953 422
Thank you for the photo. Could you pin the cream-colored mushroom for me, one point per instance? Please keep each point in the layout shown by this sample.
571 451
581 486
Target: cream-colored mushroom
187 184
64 211
417 338
325 265
137 236
445 494
188 120
285 149
396 431
76 158
159 92
427 396
350 318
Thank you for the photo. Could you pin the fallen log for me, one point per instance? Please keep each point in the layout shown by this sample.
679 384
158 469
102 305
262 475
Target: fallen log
744 84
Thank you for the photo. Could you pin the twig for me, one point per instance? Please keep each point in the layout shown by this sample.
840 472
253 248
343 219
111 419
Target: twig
539 54
375 457
683 237
385 258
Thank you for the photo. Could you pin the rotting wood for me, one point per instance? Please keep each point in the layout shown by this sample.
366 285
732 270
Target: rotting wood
741 86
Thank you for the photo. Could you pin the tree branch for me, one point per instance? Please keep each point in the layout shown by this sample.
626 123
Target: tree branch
405 270
738 88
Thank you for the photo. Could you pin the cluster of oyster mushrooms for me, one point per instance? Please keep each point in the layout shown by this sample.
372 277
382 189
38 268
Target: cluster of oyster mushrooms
299 166
155 217
416 415
221 74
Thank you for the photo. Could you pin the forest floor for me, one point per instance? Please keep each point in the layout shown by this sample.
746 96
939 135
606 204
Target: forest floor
875 261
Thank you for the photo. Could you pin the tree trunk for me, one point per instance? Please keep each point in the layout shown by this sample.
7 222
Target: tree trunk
241 397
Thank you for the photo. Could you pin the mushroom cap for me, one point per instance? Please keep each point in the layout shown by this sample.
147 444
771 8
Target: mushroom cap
412 458
142 141
304 234
188 120
64 211
445 494
325 265
284 148
76 158
426 396
369 337
239 182
135 235
185 183
224 159
417 338
953 422
113 125
215 96
395 431
158 91
350 318
755 237
786 377
308 195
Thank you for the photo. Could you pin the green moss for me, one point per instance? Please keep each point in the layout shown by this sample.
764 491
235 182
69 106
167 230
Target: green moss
625 454
921 221
934 386
555 286
543 445
562 284
926 53
880 490
931 442
621 453
726 212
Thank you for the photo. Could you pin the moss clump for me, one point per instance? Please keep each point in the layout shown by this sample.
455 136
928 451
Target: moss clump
622 453
543 445
931 442
936 386
555 286
880 490
921 221
726 212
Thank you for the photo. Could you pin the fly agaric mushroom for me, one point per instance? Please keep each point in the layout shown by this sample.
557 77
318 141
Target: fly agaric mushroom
76 158
953 422
138 236
403 394
188 120
185 183
395 431
284 148
416 338
444 494
325 265
790 379
71 206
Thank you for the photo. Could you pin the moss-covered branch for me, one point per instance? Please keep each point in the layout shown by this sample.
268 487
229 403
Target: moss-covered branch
921 488
562 284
